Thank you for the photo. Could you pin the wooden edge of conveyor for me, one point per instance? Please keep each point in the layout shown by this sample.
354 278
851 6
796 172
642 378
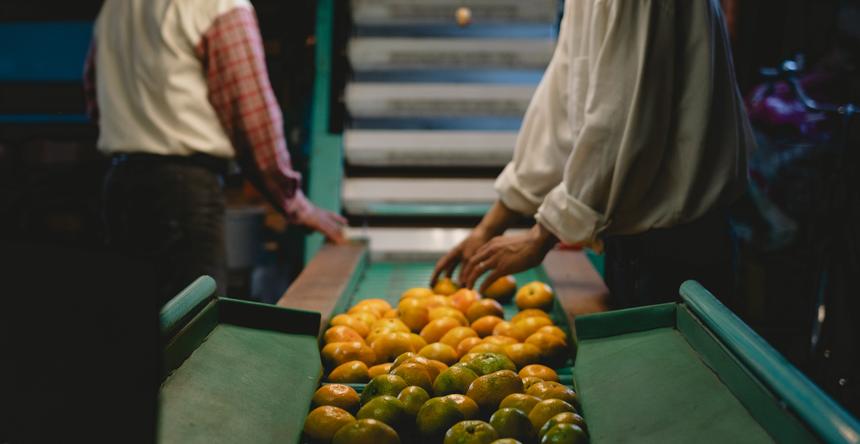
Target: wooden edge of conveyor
325 279
578 286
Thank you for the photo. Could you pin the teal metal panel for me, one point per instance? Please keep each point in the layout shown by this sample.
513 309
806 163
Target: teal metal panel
44 51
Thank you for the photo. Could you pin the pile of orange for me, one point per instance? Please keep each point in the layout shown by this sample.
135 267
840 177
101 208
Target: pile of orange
444 365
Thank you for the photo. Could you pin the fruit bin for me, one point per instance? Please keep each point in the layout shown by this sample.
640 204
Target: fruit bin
235 371
694 372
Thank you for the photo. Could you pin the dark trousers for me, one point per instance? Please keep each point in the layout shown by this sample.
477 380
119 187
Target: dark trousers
648 268
169 213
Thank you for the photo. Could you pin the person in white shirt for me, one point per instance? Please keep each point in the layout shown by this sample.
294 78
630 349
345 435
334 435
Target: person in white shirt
636 137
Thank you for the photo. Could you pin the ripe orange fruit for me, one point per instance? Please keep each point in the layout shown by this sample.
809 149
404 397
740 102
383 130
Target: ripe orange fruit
441 312
378 306
417 341
434 331
529 312
338 353
529 381
453 336
546 409
389 346
368 317
436 416
389 314
415 318
416 293
390 325
539 371
366 431
341 333
484 325
352 322
520 401
488 347
435 366
523 354
502 289
405 357
414 374
466 344
352 372
554 390
484 307
473 431
440 352
524 328
336 395
503 329
535 295
552 348
380 369
464 404
323 422
501 340
445 287
553 330
437 300
464 298
489 390
411 304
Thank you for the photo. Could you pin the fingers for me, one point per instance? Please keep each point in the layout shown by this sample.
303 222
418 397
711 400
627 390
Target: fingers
447 264
477 271
338 218
492 277
471 263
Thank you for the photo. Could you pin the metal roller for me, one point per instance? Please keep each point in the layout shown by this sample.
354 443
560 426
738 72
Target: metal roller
429 148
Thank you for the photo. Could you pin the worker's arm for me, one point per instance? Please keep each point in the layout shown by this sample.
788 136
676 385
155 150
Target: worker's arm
627 118
239 90
92 103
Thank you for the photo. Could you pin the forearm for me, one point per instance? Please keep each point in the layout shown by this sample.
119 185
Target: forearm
498 219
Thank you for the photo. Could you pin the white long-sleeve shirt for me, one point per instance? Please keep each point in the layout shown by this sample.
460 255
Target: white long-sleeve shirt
637 124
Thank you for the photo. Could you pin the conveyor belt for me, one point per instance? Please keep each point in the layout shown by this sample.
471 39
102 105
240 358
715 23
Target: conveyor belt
429 12
410 244
429 148
417 197
403 53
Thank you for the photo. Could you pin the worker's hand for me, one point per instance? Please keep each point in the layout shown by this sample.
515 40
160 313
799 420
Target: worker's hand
329 224
462 252
506 255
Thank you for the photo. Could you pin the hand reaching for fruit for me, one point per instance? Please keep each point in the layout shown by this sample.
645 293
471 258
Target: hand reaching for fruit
506 255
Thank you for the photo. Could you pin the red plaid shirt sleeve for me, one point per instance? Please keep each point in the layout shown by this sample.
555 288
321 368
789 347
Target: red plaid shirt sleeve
90 83
239 90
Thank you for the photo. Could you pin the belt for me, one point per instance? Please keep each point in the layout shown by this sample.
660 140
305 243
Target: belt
217 165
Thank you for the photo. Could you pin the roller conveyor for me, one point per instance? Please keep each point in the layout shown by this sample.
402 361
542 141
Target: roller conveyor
417 197
405 100
399 53
434 12
429 148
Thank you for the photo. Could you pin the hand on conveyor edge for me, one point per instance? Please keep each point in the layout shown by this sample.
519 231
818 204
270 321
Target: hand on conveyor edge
330 224
505 255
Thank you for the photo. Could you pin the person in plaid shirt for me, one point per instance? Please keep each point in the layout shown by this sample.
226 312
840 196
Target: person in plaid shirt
179 87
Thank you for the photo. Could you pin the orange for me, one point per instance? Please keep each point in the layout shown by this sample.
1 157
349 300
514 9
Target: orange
341 333
523 355
553 330
323 422
565 433
390 385
484 307
520 401
377 370
415 318
485 324
546 409
352 322
433 366
440 352
413 397
367 317
436 367
501 340
467 358
502 329
415 374
563 418
488 347
454 380
385 408
336 395
416 293
434 331
539 371
529 381
445 286
410 304
554 390
366 431
453 336
437 300
465 405
464 298
466 344
390 325
529 312
390 314
389 346
502 289
352 372
486 363
552 348
402 358
513 423
441 312
524 328
470 432
535 295
489 390
378 305
417 341
436 416
338 353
